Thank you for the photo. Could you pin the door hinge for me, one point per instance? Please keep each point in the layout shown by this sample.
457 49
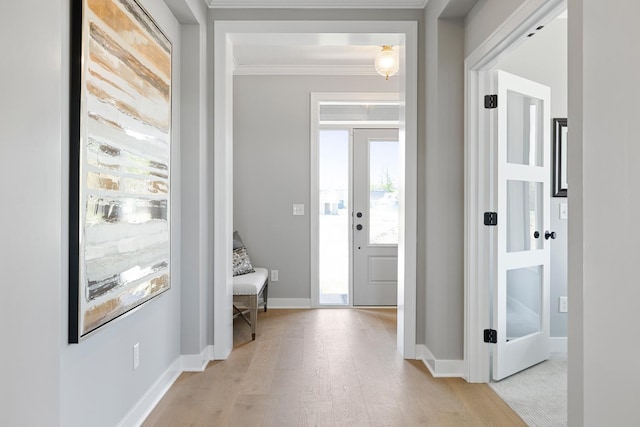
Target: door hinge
490 218
491 101
490 336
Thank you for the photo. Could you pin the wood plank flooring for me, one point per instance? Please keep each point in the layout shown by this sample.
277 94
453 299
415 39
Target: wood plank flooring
325 368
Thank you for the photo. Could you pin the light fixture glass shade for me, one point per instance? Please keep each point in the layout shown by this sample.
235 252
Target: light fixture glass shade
387 63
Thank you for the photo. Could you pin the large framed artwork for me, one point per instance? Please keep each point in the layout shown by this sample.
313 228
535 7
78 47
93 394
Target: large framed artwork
120 162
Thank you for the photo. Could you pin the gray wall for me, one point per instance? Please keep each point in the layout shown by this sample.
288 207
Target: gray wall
543 59
271 169
603 243
45 380
196 204
485 17
442 210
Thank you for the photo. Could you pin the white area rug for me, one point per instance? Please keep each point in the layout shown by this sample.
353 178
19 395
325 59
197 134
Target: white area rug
538 394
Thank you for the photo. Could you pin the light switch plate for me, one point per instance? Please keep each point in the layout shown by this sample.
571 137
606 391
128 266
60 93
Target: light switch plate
298 209
564 211
563 306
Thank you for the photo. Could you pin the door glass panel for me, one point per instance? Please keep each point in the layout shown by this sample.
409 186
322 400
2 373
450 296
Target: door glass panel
524 215
524 129
524 301
334 219
383 195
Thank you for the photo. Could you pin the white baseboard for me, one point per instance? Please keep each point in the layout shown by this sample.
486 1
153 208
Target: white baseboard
197 362
289 303
439 368
558 344
144 406
219 353
184 363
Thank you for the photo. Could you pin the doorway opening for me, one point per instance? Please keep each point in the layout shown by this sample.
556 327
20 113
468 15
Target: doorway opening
541 58
227 34
511 50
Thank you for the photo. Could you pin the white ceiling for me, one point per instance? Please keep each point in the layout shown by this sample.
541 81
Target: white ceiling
311 54
319 4
308 53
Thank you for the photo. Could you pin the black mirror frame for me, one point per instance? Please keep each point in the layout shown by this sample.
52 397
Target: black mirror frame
559 157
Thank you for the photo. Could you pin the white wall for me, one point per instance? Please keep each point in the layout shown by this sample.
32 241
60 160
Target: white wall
543 59
45 380
271 169
31 254
604 197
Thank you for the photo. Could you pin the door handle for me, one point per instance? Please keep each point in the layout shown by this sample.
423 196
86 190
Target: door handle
359 227
548 235
536 234
359 214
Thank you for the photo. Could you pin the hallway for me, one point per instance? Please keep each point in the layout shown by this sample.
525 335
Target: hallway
325 367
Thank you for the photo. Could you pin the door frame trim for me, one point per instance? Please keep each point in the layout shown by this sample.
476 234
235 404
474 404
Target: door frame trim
479 166
315 127
222 101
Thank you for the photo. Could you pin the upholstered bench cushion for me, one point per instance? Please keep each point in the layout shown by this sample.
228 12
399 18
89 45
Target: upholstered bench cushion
250 283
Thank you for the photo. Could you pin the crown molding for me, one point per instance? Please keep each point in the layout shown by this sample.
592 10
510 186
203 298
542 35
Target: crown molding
304 70
315 4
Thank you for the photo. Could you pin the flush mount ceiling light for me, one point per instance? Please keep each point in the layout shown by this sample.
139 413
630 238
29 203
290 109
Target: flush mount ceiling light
387 63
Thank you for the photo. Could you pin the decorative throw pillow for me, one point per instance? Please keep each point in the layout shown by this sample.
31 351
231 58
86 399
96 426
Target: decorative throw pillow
241 262
237 241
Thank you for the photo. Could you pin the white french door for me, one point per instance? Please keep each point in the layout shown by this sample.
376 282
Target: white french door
376 173
521 293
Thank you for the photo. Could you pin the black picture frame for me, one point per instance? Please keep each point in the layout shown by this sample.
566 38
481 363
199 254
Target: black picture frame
560 132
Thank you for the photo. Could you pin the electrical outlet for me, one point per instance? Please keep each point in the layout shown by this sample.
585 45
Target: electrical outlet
298 209
274 275
563 306
136 356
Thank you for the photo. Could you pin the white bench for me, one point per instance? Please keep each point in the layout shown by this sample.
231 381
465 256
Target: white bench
250 292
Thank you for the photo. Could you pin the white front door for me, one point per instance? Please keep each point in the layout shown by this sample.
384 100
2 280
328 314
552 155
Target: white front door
521 294
376 172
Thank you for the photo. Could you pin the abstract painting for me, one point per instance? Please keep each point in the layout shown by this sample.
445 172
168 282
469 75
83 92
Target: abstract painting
120 153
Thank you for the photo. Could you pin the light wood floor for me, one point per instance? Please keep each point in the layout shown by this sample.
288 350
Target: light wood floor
325 368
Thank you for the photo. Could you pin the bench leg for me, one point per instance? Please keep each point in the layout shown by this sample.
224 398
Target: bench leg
253 314
265 294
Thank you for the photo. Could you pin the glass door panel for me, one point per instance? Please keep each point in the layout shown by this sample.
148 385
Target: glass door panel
383 195
525 129
334 226
525 207
524 301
